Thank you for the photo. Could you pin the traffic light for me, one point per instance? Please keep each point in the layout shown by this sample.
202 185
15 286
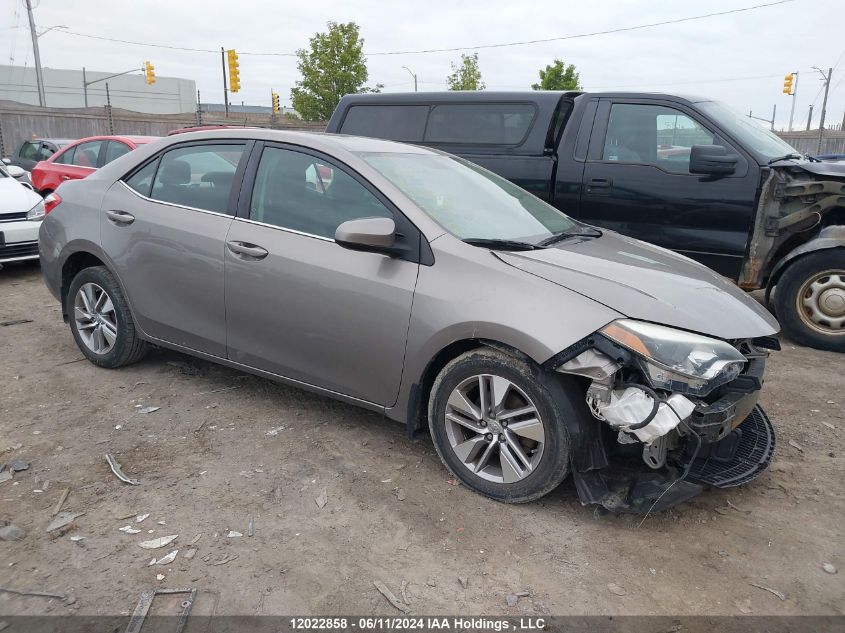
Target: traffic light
234 71
276 107
788 84
150 72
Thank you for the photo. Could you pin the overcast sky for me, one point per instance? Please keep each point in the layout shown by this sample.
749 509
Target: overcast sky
739 58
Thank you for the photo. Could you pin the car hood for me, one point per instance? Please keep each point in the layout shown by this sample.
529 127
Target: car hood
650 283
825 168
15 198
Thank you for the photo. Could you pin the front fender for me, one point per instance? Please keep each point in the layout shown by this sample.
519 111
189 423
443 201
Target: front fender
828 237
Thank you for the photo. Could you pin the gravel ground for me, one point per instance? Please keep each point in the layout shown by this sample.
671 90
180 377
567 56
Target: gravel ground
224 446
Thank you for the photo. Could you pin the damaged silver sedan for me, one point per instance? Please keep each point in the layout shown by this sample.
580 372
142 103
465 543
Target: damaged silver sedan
416 284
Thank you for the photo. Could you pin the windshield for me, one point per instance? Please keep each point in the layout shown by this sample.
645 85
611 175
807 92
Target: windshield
747 131
468 201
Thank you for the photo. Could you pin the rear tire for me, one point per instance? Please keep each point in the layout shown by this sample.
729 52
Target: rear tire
100 320
511 444
810 300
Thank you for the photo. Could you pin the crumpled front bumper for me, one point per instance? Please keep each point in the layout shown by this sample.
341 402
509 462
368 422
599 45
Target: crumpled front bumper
739 457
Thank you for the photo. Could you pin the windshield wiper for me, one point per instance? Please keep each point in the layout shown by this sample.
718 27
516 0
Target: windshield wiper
497 244
583 231
786 157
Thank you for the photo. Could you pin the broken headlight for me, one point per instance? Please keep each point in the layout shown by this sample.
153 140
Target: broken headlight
676 360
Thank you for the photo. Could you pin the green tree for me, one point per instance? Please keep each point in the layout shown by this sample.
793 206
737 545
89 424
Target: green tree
332 67
558 76
466 76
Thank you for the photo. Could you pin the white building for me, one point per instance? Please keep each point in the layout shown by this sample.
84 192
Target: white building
64 89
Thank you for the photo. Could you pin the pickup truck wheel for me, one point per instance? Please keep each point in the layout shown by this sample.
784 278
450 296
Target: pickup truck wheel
100 320
810 300
498 428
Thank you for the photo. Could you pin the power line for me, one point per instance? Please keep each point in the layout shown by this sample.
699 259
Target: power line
455 48
583 35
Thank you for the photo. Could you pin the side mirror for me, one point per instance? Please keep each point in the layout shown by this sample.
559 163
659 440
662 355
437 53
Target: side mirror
15 171
376 235
7 161
711 160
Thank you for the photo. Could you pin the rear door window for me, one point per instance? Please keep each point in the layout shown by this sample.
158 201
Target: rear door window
45 151
116 149
393 122
66 157
88 154
480 123
200 176
142 180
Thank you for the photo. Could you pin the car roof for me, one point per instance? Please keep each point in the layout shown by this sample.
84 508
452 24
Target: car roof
138 140
54 141
453 96
316 140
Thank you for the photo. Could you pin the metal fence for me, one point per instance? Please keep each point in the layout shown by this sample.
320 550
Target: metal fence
19 122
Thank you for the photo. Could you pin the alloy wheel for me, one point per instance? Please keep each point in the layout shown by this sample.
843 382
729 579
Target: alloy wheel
94 314
821 302
494 428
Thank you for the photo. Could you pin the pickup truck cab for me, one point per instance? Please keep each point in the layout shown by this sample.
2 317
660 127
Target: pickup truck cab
685 173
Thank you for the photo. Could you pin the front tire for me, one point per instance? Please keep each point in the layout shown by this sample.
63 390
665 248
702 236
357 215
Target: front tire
497 427
810 300
100 320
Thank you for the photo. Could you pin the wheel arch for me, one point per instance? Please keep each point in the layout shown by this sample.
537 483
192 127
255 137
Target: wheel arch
80 256
416 415
829 237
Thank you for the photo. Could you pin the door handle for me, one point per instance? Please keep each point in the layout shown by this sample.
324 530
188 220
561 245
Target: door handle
120 217
600 186
246 249
65 177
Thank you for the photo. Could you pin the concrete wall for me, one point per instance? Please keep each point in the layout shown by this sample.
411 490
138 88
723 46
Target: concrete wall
63 89
807 142
19 122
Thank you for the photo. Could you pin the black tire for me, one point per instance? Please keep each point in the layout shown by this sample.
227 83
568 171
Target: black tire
792 288
128 348
553 465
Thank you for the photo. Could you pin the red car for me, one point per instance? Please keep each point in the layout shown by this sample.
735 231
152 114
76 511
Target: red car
81 158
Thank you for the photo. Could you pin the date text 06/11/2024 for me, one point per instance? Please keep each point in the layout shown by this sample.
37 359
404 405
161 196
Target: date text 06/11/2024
411 623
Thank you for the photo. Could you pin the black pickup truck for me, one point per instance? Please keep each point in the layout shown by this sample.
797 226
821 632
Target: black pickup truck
685 173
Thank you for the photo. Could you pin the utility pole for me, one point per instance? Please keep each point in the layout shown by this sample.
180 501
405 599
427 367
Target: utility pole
85 86
108 110
412 75
225 87
199 109
826 79
810 118
39 77
794 99
774 112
